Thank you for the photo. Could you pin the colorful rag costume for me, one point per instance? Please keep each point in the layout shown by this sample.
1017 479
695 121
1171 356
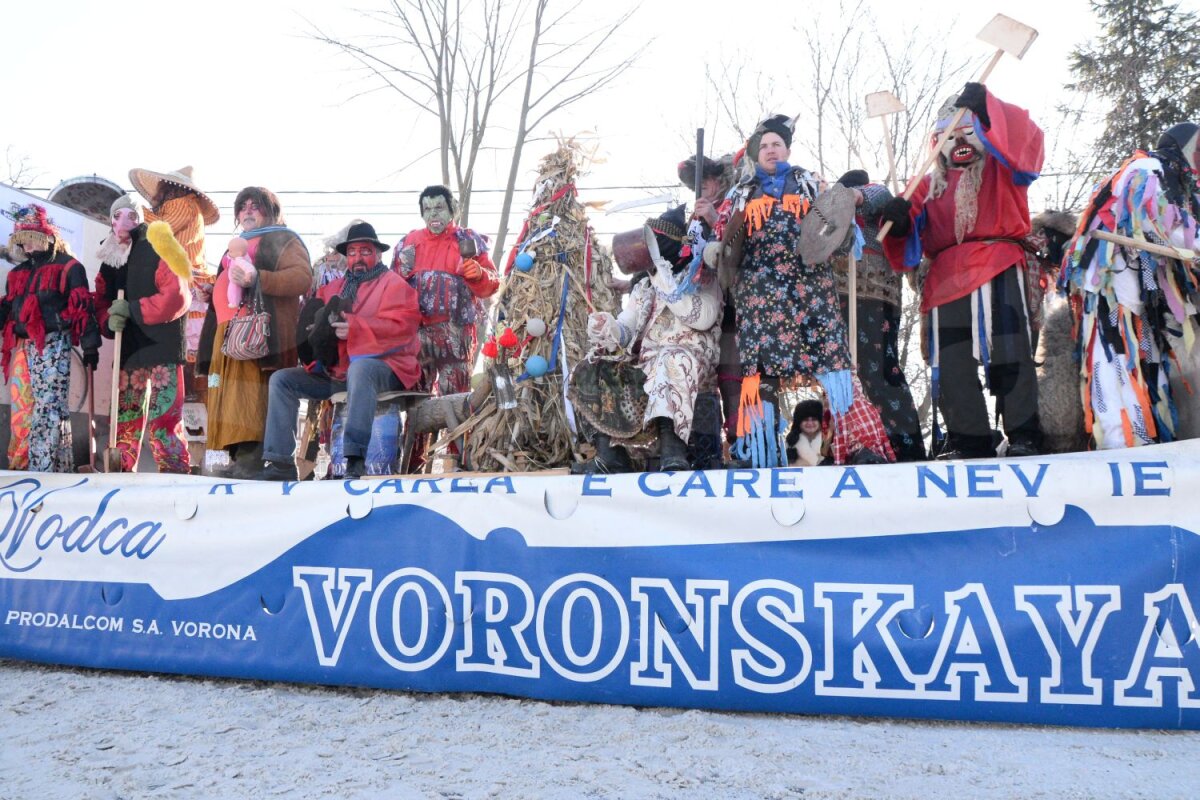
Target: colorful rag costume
451 305
970 224
790 323
237 390
153 350
879 303
1132 307
47 307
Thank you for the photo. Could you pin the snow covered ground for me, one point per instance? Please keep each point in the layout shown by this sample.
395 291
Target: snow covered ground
71 733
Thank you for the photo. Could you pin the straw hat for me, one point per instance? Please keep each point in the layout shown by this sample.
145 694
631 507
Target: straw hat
147 183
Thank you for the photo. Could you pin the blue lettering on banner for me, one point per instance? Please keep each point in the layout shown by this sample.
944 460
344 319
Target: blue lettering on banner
1069 623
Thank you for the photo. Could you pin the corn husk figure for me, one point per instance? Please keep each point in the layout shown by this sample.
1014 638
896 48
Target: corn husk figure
554 276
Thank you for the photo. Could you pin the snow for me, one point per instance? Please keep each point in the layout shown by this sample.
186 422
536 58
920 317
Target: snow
73 733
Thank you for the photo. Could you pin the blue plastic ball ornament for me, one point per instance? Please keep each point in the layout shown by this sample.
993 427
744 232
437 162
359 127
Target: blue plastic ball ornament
536 366
524 261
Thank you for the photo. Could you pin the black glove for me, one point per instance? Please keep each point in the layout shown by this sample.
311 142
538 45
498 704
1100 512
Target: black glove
91 358
897 212
323 339
855 178
974 98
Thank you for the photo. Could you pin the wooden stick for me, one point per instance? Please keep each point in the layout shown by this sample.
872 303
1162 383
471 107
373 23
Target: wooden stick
915 180
112 457
852 290
891 153
1149 247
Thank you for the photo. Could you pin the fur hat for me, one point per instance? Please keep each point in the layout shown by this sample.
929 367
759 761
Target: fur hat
1061 221
777 124
148 182
31 226
808 409
687 170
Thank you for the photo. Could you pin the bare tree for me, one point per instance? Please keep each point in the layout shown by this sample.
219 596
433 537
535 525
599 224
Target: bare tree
21 172
459 61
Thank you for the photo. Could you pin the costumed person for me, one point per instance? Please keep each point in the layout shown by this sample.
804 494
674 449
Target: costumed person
154 271
806 439
970 217
789 324
276 265
1133 307
716 180
47 307
174 198
363 341
452 273
669 330
879 290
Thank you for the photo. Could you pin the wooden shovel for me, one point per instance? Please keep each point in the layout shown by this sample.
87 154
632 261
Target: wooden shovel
112 456
1189 256
1007 36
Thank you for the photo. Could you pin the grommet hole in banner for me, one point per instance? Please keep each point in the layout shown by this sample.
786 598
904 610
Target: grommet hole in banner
916 623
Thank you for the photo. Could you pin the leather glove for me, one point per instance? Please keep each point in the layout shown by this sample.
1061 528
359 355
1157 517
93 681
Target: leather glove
472 270
91 359
897 212
974 98
603 330
118 315
855 178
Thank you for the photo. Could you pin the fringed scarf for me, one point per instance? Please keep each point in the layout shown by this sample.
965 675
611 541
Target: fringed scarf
355 279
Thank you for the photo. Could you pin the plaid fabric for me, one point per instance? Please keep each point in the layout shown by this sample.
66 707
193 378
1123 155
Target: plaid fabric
860 427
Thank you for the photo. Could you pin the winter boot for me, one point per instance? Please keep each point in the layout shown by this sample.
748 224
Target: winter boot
608 460
960 446
277 471
672 451
356 467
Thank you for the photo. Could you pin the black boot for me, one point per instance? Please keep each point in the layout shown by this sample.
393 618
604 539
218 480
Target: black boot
608 460
356 467
278 471
960 446
672 451
247 461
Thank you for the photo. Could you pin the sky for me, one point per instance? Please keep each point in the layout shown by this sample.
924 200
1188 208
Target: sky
242 93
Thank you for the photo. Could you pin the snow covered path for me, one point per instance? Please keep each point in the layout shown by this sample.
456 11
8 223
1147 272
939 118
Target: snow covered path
71 733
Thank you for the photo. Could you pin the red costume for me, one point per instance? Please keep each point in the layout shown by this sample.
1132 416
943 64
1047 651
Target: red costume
383 325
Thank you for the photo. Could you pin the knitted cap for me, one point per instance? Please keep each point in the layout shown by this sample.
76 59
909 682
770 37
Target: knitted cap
124 201
776 123
669 229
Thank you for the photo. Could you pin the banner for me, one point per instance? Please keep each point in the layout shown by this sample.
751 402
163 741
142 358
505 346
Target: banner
1051 590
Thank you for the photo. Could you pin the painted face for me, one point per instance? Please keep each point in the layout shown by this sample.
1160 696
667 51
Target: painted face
361 256
250 216
123 222
962 149
772 150
436 213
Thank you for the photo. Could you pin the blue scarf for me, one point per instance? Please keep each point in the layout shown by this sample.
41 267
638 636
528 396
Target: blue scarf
773 184
263 231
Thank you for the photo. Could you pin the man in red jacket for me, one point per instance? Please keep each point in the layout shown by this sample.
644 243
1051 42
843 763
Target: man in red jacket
968 218
364 339
449 268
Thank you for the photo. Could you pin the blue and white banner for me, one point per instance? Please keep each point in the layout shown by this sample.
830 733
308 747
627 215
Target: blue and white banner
1060 590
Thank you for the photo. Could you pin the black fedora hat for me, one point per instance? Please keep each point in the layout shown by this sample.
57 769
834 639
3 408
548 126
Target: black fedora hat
361 232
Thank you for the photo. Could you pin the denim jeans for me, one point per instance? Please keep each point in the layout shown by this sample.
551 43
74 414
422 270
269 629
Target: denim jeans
366 379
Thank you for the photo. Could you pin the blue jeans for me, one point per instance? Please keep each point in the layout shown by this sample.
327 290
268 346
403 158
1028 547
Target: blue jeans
366 379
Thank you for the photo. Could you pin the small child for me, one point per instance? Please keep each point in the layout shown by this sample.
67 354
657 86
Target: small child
805 441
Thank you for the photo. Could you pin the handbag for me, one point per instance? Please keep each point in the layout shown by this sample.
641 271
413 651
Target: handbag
247 332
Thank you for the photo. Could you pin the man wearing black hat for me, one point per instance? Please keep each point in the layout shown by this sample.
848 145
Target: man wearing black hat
362 340
1130 299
